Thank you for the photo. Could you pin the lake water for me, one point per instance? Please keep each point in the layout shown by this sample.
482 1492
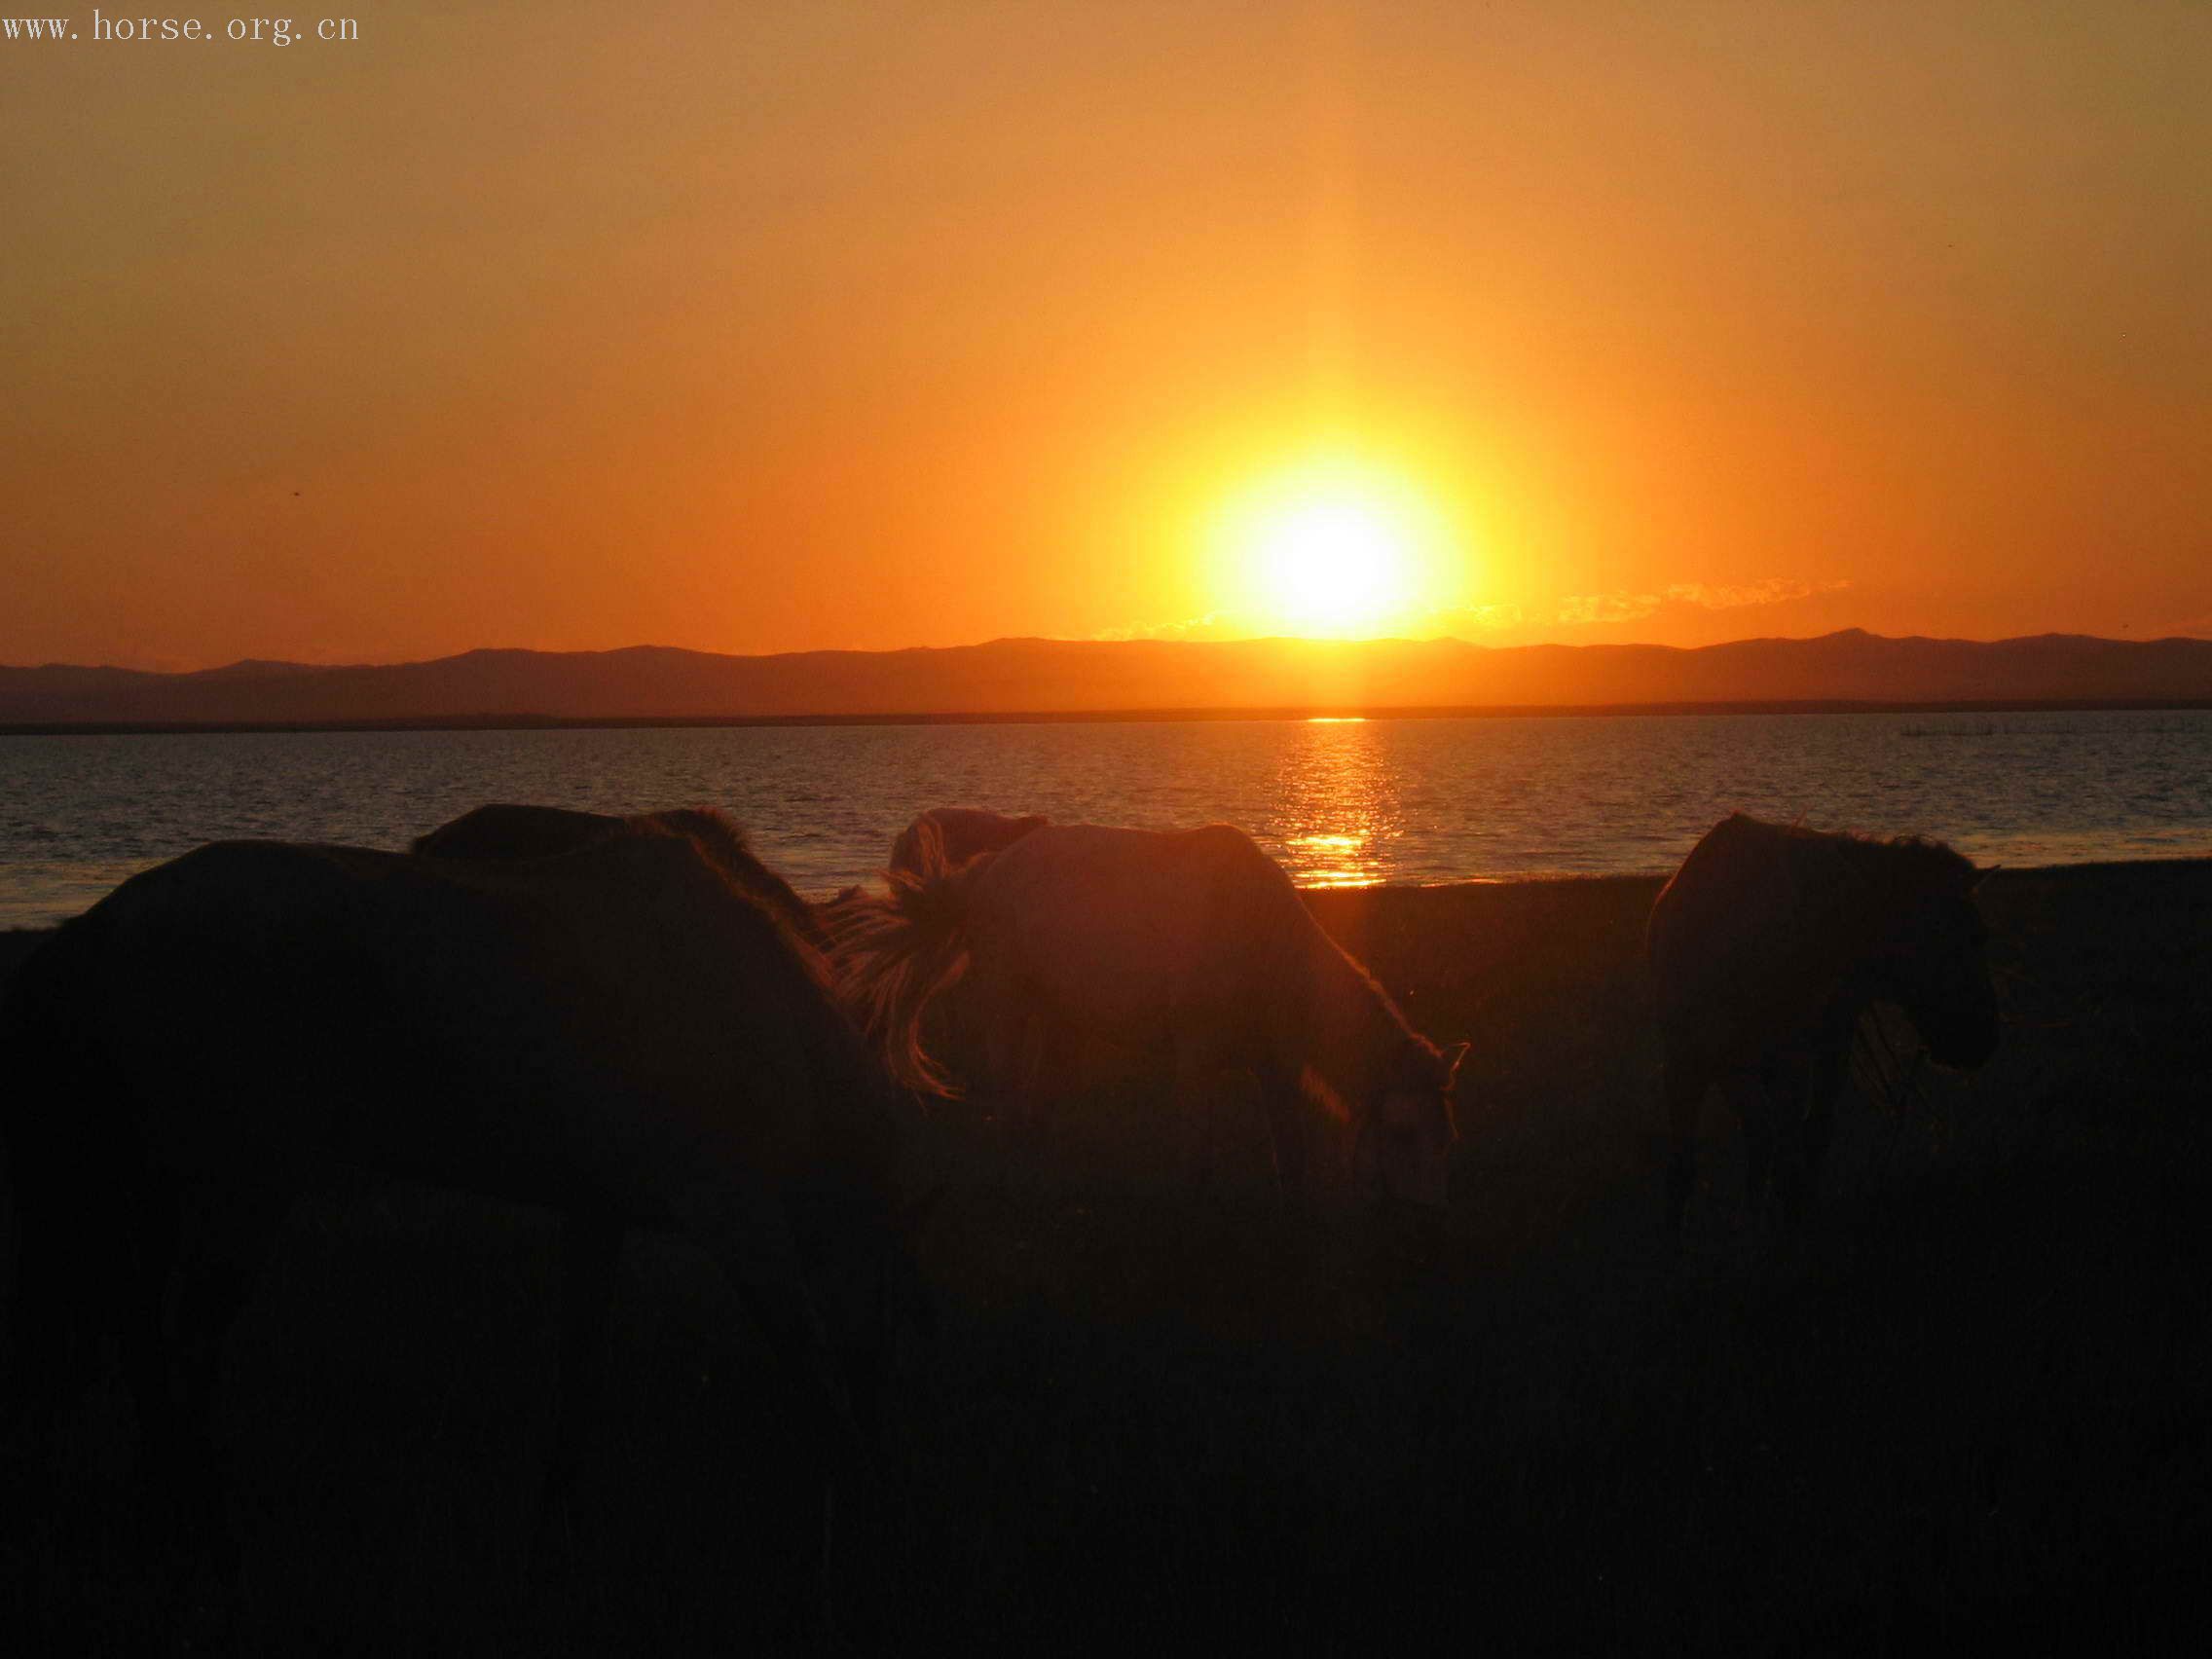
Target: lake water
1339 802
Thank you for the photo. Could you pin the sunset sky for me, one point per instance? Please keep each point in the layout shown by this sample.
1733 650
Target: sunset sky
779 326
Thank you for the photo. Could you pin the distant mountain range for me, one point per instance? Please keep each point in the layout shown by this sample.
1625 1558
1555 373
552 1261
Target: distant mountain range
1078 677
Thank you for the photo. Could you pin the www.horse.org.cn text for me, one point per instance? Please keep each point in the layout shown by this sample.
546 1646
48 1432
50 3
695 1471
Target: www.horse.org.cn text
251 31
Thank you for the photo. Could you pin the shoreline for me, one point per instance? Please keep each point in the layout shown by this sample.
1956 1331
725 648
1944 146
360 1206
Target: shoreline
1122 717
1325 899
1327 895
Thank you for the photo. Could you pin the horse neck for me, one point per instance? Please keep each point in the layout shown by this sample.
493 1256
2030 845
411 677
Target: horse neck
851 1104
1349 1033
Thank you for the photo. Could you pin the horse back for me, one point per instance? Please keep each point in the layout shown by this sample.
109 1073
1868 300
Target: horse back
507 830
1750 939
502 830
1136 929
613 1019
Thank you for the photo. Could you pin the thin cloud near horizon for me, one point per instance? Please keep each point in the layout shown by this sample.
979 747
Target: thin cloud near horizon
1621 605
1572 610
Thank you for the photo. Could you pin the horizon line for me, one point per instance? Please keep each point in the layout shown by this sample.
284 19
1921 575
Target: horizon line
1223 715
251 662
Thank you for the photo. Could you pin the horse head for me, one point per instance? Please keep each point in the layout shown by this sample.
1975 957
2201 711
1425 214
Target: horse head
1406 1134
1936 964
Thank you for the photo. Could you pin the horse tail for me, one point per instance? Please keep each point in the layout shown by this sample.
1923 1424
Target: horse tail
900 949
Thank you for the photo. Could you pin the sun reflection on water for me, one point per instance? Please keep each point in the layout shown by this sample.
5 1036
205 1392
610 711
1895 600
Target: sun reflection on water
1337 806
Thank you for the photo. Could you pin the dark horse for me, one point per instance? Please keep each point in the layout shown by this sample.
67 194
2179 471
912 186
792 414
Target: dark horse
507 831
616 1033
1766 947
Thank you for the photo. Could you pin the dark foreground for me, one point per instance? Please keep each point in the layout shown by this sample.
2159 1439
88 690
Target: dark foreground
1972 1400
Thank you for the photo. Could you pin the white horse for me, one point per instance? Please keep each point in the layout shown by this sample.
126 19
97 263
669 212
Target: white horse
1191 944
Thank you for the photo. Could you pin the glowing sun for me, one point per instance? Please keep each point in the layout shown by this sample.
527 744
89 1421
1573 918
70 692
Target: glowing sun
1333 546
1331 563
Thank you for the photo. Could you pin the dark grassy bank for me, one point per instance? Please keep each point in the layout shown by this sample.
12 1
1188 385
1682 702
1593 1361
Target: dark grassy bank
1974 1399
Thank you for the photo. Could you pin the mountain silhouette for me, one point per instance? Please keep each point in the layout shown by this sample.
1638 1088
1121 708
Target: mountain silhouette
1088 678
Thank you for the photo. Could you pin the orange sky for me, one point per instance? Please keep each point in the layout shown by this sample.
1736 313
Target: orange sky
776 327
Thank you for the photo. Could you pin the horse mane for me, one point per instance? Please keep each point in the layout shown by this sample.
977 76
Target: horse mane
853 1102
899 950
724 844
1901 869
507 830
1849 890
718 845
962 833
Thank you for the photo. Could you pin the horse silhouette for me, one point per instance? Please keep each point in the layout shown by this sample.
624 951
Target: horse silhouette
616 1033
1193 944
508 831
1765 948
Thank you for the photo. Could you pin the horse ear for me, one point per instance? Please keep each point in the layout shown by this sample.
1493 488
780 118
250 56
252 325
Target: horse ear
1452 1058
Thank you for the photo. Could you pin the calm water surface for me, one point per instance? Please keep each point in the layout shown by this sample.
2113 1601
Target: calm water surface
1339 802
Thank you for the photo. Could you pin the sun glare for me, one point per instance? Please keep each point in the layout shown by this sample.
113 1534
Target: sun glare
1331 550
1333 563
